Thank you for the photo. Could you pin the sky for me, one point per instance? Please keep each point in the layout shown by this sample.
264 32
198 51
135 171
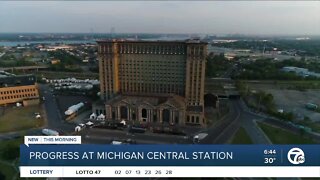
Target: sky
207 17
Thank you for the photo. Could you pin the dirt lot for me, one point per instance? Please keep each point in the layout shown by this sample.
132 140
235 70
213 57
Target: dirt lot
292 100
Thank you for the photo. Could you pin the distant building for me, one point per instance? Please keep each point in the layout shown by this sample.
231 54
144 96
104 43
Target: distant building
22 89
55 61
55 48
153 81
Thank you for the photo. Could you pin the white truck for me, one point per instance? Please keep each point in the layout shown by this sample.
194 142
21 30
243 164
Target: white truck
197 138
50 132
74 108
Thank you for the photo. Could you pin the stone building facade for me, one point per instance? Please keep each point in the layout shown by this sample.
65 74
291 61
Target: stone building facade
153 81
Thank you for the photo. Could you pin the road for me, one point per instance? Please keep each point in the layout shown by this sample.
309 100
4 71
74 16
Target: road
25 68
16 135
54 119
229 125
256 134
220 132
105 136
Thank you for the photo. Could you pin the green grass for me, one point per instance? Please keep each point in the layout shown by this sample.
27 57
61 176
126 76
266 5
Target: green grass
281 136
241 137
15 142
16 119
7 171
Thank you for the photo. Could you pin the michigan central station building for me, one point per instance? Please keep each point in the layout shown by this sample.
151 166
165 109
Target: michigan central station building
153 81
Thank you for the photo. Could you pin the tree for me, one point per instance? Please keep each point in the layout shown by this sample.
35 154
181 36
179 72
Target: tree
10 152
2 176
216 64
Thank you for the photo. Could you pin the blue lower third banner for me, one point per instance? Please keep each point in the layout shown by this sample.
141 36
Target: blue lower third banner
170 155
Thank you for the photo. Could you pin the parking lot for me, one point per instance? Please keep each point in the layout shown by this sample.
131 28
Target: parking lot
292 100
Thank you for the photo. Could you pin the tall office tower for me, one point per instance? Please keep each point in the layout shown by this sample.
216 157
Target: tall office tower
153 81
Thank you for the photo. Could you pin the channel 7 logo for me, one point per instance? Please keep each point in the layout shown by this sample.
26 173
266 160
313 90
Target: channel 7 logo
296 156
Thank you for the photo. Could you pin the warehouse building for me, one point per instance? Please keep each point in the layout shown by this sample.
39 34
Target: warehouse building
18 89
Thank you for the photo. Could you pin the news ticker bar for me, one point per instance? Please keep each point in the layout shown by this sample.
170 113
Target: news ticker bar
169 171
169 155
28 140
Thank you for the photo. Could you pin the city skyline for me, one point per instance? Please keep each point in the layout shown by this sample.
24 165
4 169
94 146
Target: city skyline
205 17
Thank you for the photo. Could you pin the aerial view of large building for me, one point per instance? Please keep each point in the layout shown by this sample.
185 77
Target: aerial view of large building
18 89
153 81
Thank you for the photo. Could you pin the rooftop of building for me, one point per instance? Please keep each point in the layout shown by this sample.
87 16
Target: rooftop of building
187 41
294 68
5 74
17 80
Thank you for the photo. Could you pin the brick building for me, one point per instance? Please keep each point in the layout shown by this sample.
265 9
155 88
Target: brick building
22 89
